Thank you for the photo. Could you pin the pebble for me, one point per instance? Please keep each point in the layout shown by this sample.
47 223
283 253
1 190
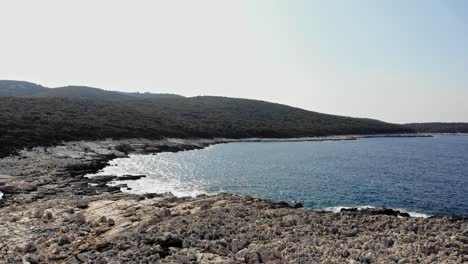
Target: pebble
55 224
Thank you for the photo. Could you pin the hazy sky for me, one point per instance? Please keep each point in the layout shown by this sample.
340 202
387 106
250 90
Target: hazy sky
395 60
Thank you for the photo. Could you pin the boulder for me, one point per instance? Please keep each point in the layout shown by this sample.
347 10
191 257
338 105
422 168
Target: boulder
130 177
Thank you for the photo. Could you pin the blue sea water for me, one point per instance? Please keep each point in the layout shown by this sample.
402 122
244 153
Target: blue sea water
423 175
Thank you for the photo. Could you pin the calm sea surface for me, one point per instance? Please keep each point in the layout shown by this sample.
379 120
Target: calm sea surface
420 175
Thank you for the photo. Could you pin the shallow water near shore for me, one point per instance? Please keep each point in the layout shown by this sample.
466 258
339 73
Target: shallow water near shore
424 176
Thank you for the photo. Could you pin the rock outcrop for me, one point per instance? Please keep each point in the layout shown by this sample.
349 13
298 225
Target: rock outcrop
51 213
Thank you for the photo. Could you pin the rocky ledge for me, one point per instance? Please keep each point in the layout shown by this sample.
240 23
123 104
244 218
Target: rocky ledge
51 213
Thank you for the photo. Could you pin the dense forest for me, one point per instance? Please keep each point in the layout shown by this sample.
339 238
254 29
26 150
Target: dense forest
439 127
29 122
27 89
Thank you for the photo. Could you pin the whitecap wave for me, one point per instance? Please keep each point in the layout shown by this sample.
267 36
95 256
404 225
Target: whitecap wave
337 209
1 195
413 214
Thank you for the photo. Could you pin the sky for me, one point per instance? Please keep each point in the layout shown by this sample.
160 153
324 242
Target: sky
398 60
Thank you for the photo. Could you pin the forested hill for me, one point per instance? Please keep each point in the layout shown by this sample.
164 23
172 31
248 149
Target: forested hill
28 122
20 88
27 89
84 92
439 127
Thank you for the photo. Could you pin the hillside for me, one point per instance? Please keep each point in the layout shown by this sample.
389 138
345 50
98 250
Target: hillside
439 127
26 89
28 122
153 95
84 92
19 88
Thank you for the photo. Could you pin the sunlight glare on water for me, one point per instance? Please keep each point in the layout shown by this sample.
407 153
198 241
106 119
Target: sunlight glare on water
424 175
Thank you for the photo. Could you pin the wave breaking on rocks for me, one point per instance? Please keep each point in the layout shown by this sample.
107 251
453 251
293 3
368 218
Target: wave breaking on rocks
52 213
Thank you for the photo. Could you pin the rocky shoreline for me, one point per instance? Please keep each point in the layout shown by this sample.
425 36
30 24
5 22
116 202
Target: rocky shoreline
51 213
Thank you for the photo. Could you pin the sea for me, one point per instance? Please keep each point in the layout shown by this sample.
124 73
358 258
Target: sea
424 176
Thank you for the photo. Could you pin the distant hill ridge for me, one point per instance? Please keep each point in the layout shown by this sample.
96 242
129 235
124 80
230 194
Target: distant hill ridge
439 127
41 121
20 88
27 89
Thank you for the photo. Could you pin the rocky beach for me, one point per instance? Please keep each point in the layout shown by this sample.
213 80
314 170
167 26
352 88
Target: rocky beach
51 213
196 132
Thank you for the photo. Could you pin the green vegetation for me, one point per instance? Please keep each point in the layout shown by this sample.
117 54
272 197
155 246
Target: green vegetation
83 92
439 127
29 122
26 89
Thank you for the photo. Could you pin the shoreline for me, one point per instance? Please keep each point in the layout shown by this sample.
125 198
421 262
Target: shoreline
449 134
52 213
80 158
